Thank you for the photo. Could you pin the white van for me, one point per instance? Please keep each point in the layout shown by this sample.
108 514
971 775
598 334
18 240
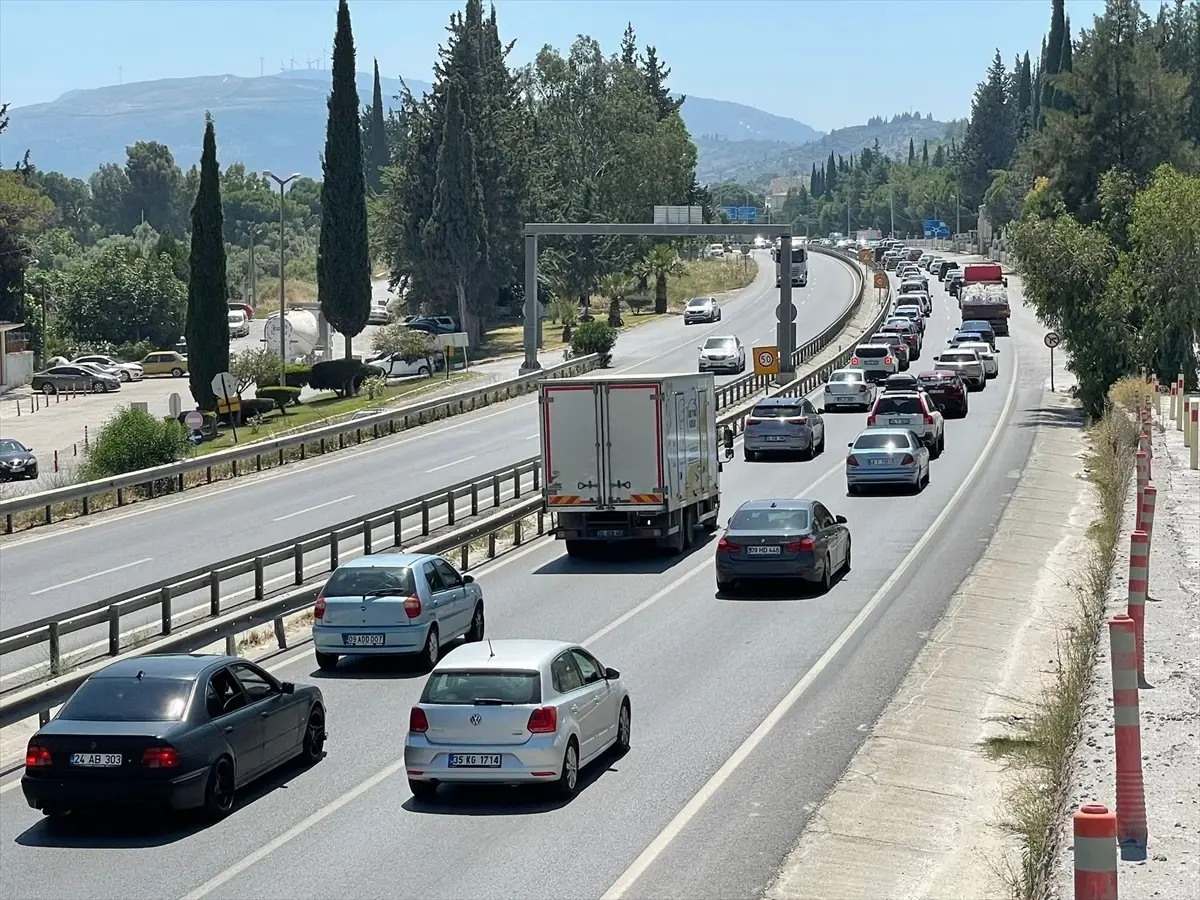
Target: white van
239 325
876 361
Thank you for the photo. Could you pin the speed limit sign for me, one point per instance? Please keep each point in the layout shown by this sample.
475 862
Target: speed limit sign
766 360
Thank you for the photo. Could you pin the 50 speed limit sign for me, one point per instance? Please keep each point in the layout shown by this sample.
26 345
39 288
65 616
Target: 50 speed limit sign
766 360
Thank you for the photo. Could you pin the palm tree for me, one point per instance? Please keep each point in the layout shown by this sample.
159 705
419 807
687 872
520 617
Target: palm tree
616 287
661 263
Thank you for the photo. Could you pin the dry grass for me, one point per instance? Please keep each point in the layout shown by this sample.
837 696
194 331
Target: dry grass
267 295
1041 752
1131 393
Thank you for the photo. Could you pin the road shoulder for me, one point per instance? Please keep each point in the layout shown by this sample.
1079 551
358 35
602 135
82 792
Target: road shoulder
918 812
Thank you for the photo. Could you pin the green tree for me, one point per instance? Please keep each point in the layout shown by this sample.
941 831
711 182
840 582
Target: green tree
378 155
154 193
912 152
1024 98
661 264
343 258
121 297
1053 54
132 440
991 135
395 338
208 288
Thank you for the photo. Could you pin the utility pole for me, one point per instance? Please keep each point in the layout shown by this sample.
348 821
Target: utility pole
892 209
957 215
253 272
847 216
283 183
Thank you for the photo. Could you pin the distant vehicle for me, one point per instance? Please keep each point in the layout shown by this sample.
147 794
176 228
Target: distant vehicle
849 388
17 461
944 268
395 604
966 364
722 354
903 383
784 425
991 365
394 365
885 456
434 324
799 265
716 251
912 313
982 327
165 362
244 307
984 295
947 391
914 412
239 325
899 347
74 378
782 540
125 371
915 298
701 309
379 311
179 731
515 712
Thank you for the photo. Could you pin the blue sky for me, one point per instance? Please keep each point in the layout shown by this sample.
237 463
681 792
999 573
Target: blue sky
828 63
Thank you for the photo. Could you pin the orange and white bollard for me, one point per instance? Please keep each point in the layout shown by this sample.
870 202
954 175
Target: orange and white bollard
1139 573
1144 447
1158 395
1145 518
1095 853
1143 478
1189 404
1131 790
1182 398
1174 401
1194 457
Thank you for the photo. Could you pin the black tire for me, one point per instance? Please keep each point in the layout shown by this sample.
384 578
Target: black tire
432 651
748 455
99 387
724 587
49 389
576 548
313 745
827 576
423 372
220 794
934 450
124 376
942 442
327 662
177 373
821 446
567 785
852 489
846 564
624 729
478 625
423 790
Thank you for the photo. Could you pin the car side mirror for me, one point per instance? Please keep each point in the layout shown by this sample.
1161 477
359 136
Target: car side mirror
841 520
850 443
288 687
468 579
727 439
820 410
610 674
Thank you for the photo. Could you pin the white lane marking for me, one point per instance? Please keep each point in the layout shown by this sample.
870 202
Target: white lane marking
533 437
309 509
63 584
660 843
457 462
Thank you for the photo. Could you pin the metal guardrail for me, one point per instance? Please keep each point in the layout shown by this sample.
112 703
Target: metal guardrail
37 699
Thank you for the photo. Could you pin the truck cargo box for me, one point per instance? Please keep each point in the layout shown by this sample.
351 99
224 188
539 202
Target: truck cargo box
976 273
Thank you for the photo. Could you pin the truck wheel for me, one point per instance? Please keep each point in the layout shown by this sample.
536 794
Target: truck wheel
711 525
576 548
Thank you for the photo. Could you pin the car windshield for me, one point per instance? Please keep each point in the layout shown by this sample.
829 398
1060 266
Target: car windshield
128 700
8 446
770 520
887 405
465 686
846 376
775 411
885 441
698 301
718 344
359 581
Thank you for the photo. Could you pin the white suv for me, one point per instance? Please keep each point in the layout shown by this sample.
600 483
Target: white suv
876 361
912 410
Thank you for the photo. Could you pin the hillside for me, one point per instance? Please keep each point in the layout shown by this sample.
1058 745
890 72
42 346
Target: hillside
273 122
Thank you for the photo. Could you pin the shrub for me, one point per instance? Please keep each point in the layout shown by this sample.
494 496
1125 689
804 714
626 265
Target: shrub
130 440
411 345
258 406
374 386
280 396
344 375
297 375
593 337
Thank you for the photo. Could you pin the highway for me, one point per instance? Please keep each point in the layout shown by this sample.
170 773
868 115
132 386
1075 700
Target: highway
63 566
745 711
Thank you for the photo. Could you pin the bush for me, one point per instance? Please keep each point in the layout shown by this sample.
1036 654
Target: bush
258 406
344 376
297 375
593 337
130 440
411 345
280 396
374 386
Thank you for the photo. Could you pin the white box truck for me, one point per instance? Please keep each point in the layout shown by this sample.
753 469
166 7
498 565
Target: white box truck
631 458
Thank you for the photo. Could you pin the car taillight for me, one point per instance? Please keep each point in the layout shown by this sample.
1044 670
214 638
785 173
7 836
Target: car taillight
928 419
160 758
852 461
887 360
319 608
906 459
804 545
412 607
861 387
871 419
750 420
36 756
799 421
543 720
728 546
854 360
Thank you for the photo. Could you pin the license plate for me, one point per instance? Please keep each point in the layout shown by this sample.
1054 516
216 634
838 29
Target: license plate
474 760
96 760
880 462
762 551
610 532
903 421
362 640
774 437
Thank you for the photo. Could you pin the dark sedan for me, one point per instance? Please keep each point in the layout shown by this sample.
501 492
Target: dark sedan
16 461
175 731
782 540
947 392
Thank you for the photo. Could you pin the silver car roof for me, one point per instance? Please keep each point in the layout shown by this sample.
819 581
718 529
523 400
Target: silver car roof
503 655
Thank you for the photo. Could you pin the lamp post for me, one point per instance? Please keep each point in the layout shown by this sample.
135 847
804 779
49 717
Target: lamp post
283 183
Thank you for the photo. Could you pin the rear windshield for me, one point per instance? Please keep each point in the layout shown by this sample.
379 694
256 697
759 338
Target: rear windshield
871 352
775 412
912 287
128 700
975 325
358 581
846 376
877 441
959 357
904 405
465 686
770 520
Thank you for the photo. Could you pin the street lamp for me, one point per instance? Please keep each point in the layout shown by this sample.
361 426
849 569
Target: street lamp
283 183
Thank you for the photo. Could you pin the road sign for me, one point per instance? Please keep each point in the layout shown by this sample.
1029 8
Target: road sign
194 420
881 281
224 385
1052 339
866 256
196 438
175 405
766 360
679 215
745 249
741 213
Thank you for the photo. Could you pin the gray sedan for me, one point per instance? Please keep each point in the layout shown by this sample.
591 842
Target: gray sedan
74 378
784 425
782 540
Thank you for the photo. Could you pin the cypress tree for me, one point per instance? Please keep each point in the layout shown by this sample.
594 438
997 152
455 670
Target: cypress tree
831 175
628 47
378 155
925 153
912 152
343 262
1039 78
812 181
1193 97
1054 43
207 328
1024 90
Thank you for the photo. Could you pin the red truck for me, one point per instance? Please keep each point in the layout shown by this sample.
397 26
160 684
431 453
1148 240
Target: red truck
984 295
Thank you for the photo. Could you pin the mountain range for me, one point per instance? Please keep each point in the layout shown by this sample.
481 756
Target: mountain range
278 122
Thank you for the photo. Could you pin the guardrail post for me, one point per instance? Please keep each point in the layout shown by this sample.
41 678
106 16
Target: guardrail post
464 560
517 533
492 545
450 503
230 645
424 517
121 496
258 578
516 484
208 474
55 649
87 505
233 467
334 555
49 514
541 520
368 538
397 529
214 593
298 563
474 499
114 630
280 633
495 493
165 594
537 477
322 446
258 462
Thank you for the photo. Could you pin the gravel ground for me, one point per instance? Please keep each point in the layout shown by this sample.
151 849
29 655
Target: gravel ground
1170 710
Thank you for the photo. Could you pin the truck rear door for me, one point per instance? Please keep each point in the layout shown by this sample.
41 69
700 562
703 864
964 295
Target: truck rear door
634 444
571 445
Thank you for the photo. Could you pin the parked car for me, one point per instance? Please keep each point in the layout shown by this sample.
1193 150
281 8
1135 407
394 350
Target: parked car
792 540
74 378
394 365
434 324
723 353
886 456
515 712
784 425
179 731
947 391
849 388
165 362
701 309
125 371
239 325
16 461
395 604
245 308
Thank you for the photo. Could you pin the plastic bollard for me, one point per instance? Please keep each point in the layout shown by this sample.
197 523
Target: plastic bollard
1194 455
1095 853
1127 732
1139 565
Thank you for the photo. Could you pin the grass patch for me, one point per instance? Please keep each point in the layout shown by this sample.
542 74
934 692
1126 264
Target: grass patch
1132 393
1040 753
266 299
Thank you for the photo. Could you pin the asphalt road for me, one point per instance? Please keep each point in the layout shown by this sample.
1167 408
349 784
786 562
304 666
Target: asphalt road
706 675
67 565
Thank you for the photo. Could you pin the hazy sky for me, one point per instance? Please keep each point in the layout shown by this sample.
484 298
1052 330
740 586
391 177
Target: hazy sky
828 63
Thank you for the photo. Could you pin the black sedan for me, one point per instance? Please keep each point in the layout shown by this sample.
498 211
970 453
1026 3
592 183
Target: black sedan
16 461
782 540
175 731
